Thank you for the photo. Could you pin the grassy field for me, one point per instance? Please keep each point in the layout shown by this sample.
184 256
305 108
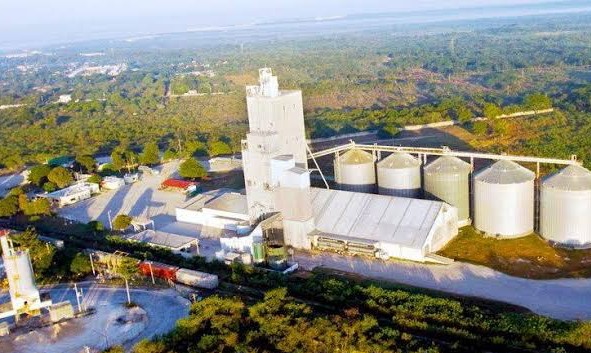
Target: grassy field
529 257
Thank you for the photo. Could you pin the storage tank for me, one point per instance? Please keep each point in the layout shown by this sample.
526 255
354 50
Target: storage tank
355 171
504 200
565 207
399 174
448 179
258 253
196 278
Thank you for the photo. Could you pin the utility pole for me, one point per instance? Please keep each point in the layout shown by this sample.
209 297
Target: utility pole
77 297
151 272
92 264
110 222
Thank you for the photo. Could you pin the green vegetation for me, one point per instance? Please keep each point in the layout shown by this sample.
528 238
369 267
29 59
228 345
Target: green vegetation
61 177
192 169
150 154
350 82
122 222
324 313
529 257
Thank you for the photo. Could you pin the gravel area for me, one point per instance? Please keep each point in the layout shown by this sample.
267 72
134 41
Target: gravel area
566 299
112 324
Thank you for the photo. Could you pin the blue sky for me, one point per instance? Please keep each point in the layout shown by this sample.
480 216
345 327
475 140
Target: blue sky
35 20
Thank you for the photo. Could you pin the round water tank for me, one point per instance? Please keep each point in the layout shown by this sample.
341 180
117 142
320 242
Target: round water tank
565 207
447 179
355 171
504 200
399 174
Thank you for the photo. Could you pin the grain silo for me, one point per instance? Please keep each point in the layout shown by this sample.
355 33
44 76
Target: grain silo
565 207
447 179
355 171
504 200
399 174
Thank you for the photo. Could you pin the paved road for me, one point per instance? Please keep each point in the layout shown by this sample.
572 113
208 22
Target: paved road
566 299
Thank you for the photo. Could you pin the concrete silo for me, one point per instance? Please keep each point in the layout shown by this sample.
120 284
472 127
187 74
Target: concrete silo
504 200
565 207
24 295
448 179
355 171
399 174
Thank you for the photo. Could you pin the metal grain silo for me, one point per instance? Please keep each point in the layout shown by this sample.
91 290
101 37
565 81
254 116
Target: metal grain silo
399 174
565 207
448 179
504 200
355 171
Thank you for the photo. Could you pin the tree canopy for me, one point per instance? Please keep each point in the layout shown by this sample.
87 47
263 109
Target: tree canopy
192 169
151 154
61 177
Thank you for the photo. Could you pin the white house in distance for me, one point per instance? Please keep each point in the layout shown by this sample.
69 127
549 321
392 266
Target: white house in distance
71 194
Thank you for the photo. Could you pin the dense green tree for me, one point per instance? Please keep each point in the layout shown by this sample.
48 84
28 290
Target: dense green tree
537 101
41 253
49 187
479 128
217 148
122 222
38 174
85 163
192 169
169 154
95 178
61 177
150 155
118 159
80 265
9 206
38 207
127 268
146 346
491 110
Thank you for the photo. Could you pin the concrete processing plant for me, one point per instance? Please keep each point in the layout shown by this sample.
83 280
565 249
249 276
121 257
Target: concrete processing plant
424 194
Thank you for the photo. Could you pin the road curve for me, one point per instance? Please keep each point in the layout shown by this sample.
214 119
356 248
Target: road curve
565 299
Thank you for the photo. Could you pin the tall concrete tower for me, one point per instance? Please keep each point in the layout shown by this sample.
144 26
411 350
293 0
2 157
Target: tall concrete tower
276 123
24 294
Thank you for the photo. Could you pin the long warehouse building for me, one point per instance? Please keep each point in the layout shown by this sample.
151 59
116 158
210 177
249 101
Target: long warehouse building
386 226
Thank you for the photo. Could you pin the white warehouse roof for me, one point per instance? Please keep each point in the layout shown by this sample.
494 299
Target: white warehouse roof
376 218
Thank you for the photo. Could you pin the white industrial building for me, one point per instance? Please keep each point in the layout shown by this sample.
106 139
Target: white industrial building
216 212
386 226
72 194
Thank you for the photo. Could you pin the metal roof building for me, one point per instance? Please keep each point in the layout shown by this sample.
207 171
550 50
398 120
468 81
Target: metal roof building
565 207
179 244
504 200
395 226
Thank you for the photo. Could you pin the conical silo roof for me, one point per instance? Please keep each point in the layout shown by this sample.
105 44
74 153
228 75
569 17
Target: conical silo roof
399 161
448 165
572 178
356 156
505 172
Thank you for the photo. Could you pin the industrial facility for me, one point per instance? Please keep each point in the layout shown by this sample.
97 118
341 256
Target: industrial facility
406 205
